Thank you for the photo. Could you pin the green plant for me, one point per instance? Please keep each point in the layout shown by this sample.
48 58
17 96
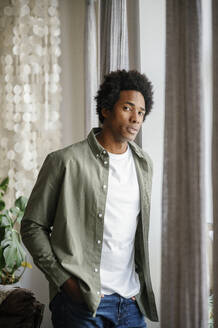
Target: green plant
12 254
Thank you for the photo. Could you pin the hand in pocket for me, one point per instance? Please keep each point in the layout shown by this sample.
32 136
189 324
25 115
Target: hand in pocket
71 288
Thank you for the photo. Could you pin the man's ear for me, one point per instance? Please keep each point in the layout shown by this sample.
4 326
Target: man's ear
105 112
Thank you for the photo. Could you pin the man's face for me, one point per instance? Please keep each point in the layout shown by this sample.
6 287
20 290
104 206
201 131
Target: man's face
126 118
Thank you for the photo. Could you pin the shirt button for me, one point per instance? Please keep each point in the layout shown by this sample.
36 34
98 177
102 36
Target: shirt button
100 215
104 152
96 270
99 241
105 162
97 155
104 186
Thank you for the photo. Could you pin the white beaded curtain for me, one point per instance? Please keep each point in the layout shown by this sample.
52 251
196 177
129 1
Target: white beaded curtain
30 92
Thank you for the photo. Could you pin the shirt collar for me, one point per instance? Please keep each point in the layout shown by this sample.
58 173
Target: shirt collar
98 150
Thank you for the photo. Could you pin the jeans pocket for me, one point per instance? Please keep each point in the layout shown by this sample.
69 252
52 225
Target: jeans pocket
55 301
73 305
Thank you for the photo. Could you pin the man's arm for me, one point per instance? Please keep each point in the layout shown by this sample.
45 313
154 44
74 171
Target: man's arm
38 220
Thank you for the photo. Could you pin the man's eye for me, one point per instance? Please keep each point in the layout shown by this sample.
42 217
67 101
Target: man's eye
127 108
141 113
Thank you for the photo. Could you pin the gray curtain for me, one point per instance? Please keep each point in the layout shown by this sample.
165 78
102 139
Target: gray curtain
114 52
119 24
215 154
184 279
106 48
133 17
91 66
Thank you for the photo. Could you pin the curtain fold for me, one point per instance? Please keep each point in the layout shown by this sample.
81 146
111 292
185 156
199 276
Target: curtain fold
114 52
106 48
133 18
184 274
215 154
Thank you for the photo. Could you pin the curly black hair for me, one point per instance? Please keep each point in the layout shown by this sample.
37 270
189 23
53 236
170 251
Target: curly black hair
114 82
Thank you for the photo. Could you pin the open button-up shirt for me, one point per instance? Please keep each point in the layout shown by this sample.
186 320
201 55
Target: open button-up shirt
63 223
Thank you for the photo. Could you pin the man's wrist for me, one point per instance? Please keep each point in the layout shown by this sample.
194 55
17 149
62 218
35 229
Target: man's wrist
72 289
69 283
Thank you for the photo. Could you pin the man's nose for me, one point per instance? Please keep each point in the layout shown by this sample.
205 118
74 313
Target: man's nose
135 116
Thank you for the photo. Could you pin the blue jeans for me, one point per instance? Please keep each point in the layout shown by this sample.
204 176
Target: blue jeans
113 311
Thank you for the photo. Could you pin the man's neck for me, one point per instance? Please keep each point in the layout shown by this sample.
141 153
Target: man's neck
110 144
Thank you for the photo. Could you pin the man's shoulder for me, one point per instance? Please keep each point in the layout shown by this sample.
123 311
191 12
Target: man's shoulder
69 152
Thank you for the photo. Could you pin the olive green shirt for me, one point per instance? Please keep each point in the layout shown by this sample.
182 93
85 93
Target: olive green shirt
64 219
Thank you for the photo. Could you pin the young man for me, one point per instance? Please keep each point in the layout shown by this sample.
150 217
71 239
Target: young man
87 220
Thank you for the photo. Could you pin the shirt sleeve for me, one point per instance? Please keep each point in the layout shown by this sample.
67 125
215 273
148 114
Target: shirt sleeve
38 220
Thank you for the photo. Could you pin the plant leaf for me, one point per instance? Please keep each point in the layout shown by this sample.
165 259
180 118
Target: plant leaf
10 255
21 203
14 211
5 220
2 260
7 238
20 251
2 234
4 184
19 218
2 205
14 253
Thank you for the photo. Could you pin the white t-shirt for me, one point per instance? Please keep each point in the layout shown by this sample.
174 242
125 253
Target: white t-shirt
117 269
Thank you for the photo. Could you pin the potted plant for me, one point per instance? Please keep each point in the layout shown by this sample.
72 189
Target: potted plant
12 255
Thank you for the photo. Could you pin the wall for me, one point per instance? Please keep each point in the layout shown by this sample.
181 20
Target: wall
72 15
152 42
207 101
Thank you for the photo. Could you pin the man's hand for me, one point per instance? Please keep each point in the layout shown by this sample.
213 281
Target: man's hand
71 288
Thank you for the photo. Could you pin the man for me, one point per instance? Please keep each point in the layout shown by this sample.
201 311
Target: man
86 223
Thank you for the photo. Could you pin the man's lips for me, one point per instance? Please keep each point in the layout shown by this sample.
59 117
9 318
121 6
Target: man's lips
132 130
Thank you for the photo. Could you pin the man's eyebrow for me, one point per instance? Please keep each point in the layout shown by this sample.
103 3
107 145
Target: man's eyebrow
132 104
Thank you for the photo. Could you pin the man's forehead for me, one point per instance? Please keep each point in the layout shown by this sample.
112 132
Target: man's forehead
132 97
